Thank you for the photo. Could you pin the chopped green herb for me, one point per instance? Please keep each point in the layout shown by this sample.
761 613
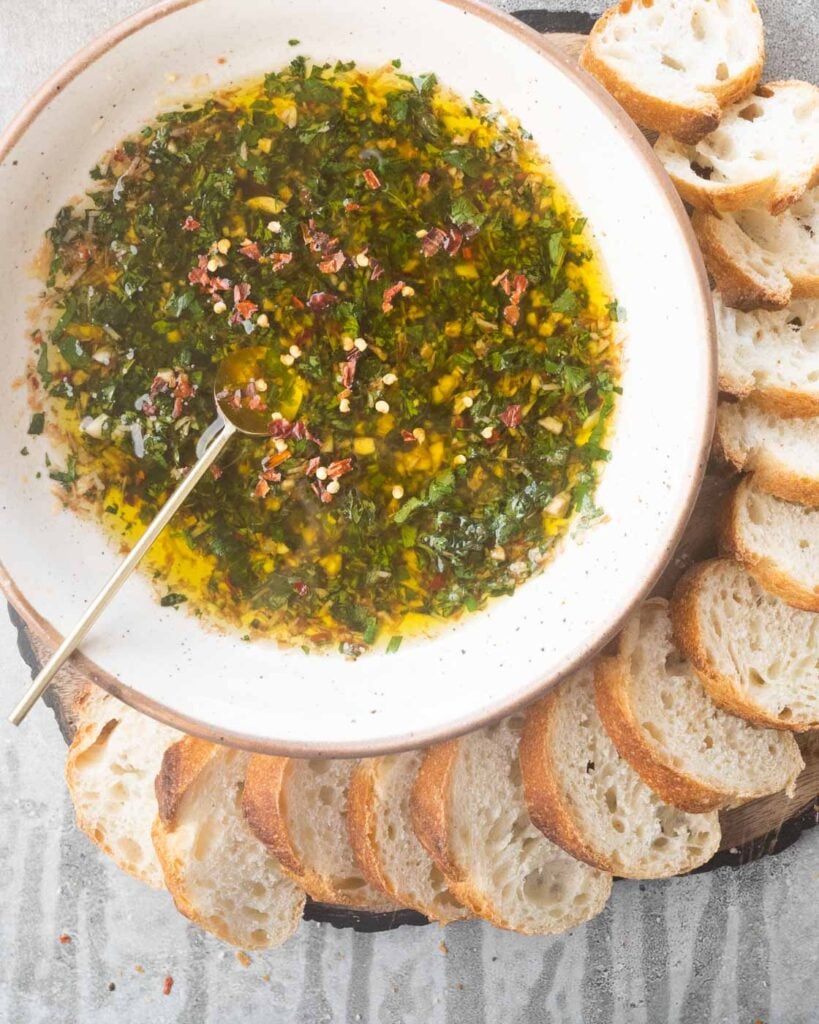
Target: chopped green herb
393 644
37 423
172 600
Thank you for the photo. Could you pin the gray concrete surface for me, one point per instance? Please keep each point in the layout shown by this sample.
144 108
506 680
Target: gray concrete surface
731 947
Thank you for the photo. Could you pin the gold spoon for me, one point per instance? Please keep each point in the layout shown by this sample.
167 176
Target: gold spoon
237 412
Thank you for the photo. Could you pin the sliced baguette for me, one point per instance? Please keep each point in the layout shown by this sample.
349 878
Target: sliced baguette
219 874
384 843
469 811
589 800
298 809
777 541
673 65
783 454
664 723
110 770
759 261
765 151
773 356
757 656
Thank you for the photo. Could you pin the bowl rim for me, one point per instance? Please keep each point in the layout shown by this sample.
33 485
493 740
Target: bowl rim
47 634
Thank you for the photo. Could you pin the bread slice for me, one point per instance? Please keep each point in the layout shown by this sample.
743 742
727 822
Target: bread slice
664 723
469 811
219 874
759 261
673 65
777 541
757 656
384 843
783 454
773 356
765 151
110 770
298 809
589 800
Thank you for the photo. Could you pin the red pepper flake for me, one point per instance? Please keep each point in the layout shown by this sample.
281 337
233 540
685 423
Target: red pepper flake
215 472
350 206
199 275
191 224
348 368
322 492
511 416
319 301
339 468
423 179
251 250
515 290
269 462
436 583
183 390
520 286
318 241
333 263
302 590
278 260
372 179
162 383
167 986
434 240
64 939
284 428
243 308
296 301
456 238
511 314
493 437
389 295
262 488
408 436
218 284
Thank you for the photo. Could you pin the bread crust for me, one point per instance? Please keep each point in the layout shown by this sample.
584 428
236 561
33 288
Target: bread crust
181 766
182 763
780 401
620 722
722 197
688 637
431 799
429 808
264 805
431 796
544 799
770 475
765 570
740 288
362 823
688 124
361 826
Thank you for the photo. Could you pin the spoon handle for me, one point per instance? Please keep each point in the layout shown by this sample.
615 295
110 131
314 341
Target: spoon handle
120 575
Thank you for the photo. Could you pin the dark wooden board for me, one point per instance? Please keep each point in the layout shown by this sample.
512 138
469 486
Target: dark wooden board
756 829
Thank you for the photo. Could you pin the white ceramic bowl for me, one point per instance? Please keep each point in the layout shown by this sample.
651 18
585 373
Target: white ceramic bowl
256 695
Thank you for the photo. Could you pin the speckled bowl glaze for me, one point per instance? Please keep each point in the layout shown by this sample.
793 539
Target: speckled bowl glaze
254 694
